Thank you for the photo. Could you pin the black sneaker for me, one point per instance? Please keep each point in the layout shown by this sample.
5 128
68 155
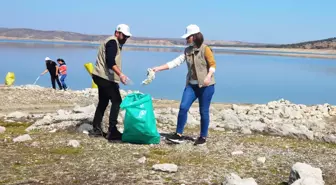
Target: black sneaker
96 133
200 141
114 135
176 139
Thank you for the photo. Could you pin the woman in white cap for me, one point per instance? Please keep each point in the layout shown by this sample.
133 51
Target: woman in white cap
200 82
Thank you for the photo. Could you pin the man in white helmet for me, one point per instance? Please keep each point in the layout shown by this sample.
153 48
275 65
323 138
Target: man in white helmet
107 75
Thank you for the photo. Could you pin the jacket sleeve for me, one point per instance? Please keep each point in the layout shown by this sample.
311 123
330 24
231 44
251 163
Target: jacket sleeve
111 52
177 61
210 59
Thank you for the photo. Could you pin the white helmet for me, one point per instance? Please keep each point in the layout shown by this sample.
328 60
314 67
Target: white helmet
123 28
190 30
47 58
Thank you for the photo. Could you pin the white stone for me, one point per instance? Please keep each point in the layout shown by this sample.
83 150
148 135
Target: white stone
166 167
308 181
234 179
142 160
330 138
237 153
261 159
257 126
245 131
86 110
84 127
17 115
22 138
53 130
2 129
63 112
35 144
73 143
303 171
219 129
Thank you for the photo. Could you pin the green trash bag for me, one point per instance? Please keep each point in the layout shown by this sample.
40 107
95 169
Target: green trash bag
139 121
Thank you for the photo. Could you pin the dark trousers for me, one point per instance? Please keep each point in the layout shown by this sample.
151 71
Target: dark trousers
107 91
53 79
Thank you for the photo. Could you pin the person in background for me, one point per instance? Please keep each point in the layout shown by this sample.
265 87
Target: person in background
107 75
52 68
63 72
200 82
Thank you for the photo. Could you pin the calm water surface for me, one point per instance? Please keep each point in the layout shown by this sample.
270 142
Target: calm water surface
240 78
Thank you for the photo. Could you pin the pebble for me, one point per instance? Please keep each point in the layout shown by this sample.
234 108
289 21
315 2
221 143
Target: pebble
73 143
165 167
237 153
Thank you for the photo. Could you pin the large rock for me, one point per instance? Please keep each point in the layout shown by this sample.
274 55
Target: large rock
305 175
234 179
64 119
276 117
22 138
330 138
17 115
308 181
86 110
230 119
291 130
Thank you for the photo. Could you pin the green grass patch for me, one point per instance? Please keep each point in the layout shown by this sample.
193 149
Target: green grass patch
178 157
284 142
14 129
5 181
66 151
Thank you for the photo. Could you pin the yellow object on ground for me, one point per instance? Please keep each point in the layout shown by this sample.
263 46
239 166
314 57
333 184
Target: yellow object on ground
89 68
10 78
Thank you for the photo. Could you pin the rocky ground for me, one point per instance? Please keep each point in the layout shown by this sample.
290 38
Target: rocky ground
43 141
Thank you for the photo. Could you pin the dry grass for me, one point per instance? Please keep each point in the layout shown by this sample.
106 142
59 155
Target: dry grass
50 161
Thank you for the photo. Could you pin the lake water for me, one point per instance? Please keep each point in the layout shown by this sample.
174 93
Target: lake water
240 78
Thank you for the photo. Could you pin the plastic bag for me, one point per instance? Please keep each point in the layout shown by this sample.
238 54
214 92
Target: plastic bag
150 76
10 78
89 68
139 121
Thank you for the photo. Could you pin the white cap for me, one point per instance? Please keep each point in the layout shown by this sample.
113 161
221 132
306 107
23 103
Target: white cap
47 58
190 30
123 28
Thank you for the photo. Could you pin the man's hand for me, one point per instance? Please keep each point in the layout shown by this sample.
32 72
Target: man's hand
123 78
44 72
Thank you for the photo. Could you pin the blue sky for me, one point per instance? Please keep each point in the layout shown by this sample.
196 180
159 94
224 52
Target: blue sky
268 21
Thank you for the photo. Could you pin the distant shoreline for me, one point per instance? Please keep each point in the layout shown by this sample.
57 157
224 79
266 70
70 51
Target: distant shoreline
289 52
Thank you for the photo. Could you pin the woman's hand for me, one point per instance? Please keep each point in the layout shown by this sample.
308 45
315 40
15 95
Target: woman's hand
156 69
207 80
160 68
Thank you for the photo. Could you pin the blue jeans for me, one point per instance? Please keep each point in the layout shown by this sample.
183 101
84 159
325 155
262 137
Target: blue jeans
63 82
190 94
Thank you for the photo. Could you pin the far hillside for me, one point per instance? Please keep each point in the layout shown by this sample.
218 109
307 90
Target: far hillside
31 34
